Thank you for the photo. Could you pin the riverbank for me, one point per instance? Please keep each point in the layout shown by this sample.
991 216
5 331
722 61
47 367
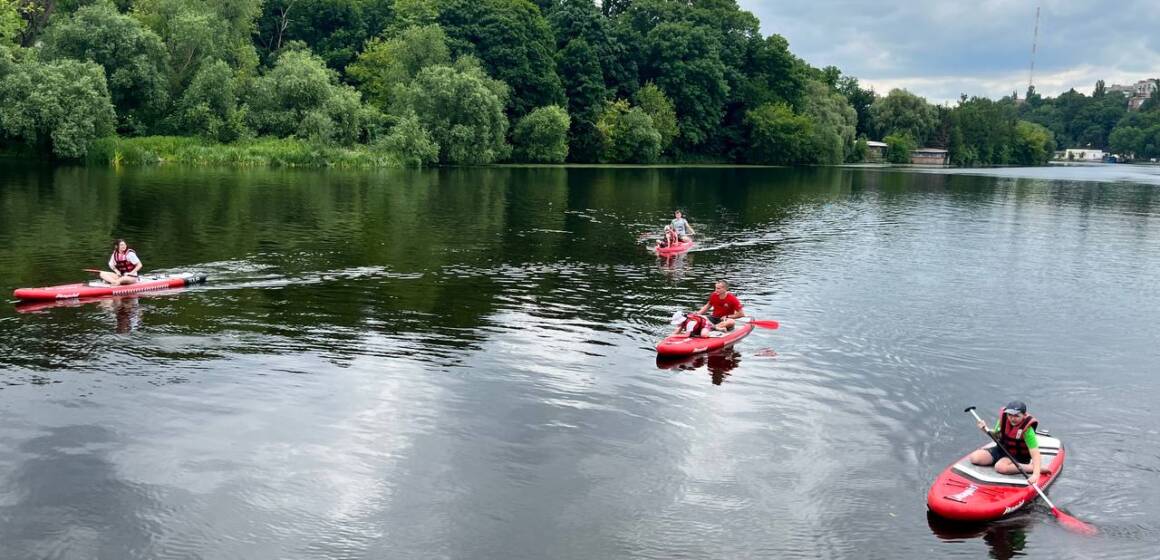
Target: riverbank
259 152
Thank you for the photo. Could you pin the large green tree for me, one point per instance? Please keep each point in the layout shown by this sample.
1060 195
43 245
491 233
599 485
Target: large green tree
1033 144
834 121
197 31
209 106
861 100
335 30
542 136
902 112
56 107
684 62
571 20
629 134
133 56
390 63
660 109
584 84
514 43
777 135
301 96
463 110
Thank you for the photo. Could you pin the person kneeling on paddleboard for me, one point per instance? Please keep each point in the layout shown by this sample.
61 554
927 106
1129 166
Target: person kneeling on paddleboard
125 264
726 307
669 239
692 324
1016 433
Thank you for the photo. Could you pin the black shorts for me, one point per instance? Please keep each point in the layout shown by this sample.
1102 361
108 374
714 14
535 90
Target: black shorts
997 454
715 320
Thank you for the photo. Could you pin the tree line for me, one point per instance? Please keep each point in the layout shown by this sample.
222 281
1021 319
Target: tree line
429 82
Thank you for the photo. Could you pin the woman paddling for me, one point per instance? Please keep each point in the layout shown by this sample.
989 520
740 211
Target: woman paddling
124 263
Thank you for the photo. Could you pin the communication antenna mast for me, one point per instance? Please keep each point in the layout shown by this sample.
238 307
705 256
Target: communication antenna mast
1034 41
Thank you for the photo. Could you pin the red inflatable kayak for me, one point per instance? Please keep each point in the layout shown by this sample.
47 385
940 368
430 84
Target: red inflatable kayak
675 249
966 492
97 288
684 345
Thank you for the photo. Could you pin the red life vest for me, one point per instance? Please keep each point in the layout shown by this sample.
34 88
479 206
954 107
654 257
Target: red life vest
700 323
1011 436
121 260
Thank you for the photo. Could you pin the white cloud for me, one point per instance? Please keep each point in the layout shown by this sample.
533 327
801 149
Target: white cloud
941 48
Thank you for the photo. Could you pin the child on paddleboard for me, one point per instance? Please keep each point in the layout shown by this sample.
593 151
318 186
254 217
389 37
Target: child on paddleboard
1016 433
669 239
692 324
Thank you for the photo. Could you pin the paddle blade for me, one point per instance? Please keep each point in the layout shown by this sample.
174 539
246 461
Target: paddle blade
765 324
1074 525
93 270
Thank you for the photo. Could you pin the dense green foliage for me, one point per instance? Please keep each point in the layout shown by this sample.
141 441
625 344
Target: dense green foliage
462 109
902 112
542 135
422 82
628 134
56 107
778 135
133 56
899 146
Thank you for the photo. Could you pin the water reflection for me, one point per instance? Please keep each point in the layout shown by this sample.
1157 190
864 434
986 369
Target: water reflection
125 312
65 499
719 363
479 343
1005 538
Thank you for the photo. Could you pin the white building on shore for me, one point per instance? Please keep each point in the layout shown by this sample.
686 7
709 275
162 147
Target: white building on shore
1083 154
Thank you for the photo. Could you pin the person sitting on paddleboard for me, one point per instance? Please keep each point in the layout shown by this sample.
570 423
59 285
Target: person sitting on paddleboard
124 263
1016 433
726 307
692 324
669 239
682 227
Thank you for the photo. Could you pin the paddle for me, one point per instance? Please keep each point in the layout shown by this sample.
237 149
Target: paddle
1070 523
93 270
767 324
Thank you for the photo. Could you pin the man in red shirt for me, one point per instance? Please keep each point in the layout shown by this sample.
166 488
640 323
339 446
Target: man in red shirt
726 307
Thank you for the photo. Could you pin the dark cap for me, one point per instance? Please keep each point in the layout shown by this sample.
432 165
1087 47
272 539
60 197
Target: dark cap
1015 407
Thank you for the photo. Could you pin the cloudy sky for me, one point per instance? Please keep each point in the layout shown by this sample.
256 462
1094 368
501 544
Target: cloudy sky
941 48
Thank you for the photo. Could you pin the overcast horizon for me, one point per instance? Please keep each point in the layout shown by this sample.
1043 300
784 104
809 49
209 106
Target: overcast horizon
939 49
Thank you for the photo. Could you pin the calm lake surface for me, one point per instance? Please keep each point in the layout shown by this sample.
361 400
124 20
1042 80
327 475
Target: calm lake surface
459 363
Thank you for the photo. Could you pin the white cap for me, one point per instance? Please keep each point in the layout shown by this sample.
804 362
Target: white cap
677 319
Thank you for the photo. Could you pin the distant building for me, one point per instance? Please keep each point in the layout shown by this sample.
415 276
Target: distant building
1136 93
1083 154
875 151
929 156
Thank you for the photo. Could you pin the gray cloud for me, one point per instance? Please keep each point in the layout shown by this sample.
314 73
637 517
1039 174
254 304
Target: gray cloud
941 48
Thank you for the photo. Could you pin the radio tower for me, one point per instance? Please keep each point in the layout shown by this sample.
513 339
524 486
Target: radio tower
1034 41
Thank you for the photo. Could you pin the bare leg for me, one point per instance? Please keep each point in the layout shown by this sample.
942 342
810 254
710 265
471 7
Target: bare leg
1005 466
725 324
980 457
110 278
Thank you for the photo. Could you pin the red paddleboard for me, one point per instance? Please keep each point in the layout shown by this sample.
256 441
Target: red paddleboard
684 345
966 492
677 249
98 288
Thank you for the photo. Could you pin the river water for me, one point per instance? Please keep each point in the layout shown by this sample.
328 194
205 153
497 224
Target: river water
458 363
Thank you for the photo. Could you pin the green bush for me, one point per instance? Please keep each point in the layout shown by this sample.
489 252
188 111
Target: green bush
542 135
898 147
